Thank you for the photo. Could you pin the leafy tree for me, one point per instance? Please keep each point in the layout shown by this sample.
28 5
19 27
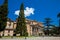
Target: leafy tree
21 24
3 15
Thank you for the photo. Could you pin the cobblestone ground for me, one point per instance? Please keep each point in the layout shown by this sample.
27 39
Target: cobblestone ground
33 38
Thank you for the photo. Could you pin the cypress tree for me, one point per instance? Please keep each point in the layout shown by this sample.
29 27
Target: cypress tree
3 15
21 24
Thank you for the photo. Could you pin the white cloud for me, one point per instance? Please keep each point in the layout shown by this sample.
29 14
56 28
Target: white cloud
17 12
28 11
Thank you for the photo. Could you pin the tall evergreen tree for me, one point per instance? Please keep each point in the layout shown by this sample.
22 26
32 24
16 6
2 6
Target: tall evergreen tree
3 15
21 24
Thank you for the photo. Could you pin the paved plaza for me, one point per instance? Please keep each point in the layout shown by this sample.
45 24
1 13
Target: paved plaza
33 38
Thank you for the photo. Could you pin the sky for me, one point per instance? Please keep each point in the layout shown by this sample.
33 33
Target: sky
34 9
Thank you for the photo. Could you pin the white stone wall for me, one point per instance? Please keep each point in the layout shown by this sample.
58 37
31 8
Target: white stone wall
12 25
8 23
6 33
11 33
28 30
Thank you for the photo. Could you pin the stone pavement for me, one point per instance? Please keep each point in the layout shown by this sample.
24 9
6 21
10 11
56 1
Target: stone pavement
33 38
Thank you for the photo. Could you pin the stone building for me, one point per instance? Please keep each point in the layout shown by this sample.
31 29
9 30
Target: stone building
33 28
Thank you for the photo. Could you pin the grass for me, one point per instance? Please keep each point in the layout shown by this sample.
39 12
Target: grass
16 36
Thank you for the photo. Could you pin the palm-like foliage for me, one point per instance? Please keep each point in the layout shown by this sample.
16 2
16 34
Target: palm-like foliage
59 18
47 23
59 22
58 15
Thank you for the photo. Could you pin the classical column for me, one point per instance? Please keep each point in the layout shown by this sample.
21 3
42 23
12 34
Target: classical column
31 31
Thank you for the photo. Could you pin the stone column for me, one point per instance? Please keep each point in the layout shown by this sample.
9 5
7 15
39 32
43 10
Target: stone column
31 30
11 25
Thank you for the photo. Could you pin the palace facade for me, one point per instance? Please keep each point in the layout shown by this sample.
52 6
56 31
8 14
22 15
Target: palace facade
33 28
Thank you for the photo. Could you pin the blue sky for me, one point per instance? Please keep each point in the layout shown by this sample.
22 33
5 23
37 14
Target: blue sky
42 9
